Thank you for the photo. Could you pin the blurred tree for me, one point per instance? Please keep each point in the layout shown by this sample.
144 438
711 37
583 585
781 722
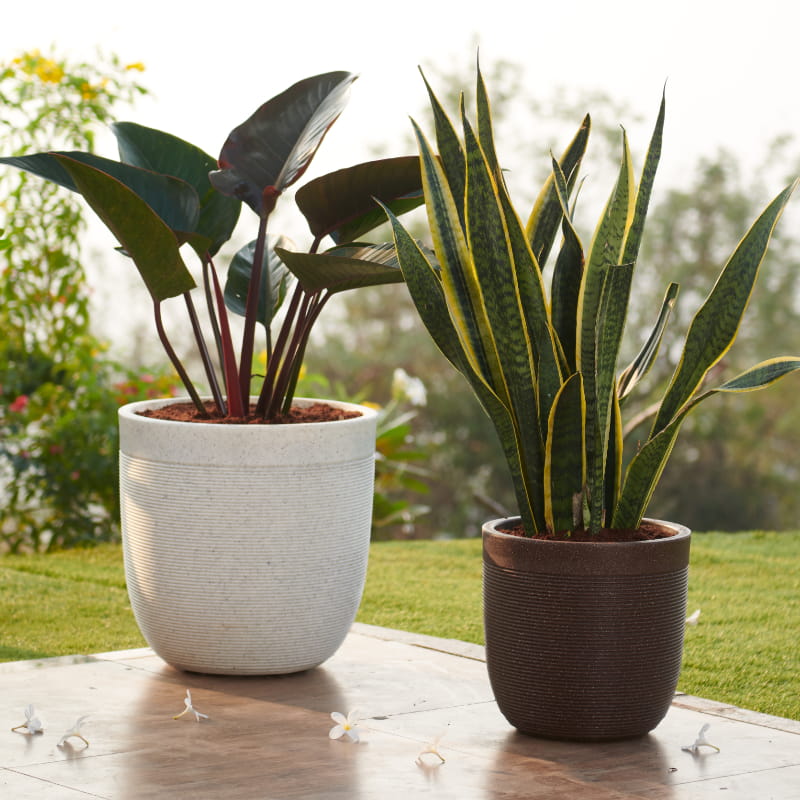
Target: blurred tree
58 400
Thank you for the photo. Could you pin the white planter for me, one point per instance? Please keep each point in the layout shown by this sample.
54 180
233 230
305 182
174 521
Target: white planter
245 545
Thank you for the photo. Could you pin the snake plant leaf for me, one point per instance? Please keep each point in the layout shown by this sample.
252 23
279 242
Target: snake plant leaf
612 480
715 325
545 355
601 318
485 127
274 279
144 236
342 203
459 281
350 266
761 375
564 464
450 149
164 153
425 287
495 294
567 275
642 476
175 201
647 465
633 237
646 357
545 217
273 148
499 296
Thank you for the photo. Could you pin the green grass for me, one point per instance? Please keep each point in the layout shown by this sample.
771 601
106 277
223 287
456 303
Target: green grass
745 650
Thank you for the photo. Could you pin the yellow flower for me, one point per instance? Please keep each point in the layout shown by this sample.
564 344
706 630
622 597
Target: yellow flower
88 92
48 71
137 65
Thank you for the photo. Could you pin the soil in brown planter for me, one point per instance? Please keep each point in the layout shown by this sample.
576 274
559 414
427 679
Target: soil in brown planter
646 531
187 412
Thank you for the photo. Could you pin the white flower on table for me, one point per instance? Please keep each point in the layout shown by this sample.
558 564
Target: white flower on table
345 726
32 724
432 748
700 741
694 618
190 709
75 731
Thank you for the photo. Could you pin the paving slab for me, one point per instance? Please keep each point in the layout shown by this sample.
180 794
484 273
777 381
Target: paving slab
267 737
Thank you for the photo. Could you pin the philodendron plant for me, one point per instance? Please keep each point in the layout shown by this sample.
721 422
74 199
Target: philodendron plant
164 193
545 368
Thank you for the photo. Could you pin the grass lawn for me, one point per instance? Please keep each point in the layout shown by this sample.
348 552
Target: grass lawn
744 651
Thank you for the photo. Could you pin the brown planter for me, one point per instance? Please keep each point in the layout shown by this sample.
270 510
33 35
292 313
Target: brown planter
584 640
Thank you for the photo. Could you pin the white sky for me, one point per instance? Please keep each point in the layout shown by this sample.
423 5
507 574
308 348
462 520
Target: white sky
731 67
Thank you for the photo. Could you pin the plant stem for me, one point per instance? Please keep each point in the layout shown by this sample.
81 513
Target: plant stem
176 362
251 311
265 399
281 381
204 355
208 265
238 404
284 393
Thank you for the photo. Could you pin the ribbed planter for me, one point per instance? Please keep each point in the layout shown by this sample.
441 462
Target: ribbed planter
584 640
245 545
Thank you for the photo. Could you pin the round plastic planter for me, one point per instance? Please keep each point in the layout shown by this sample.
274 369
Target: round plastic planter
245 545
584 640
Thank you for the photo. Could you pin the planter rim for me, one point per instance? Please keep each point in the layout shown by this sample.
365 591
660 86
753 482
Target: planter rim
171 441
130 410
586 558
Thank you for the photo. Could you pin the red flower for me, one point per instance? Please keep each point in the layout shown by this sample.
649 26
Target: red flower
20 404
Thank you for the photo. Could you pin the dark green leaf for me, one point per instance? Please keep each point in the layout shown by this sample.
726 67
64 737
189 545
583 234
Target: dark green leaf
346 267
274 277
451 152
139 230
161 152
646 467
564 466
342 203
640 365
716 323
545 218
273 148
175 201
427 292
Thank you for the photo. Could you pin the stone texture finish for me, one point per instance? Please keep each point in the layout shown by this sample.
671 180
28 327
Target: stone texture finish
245 546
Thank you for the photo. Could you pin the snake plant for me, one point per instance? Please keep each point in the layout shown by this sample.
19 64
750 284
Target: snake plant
545 368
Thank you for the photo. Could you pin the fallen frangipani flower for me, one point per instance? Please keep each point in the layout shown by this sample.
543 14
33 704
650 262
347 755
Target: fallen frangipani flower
32 723
432 748
345 726
75 731
692 619
700 741
190 708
